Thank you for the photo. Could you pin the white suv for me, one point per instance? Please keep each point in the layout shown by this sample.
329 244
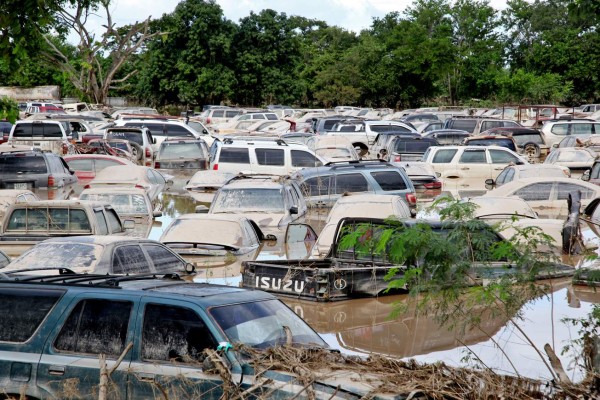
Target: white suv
470 166
261 156
556 130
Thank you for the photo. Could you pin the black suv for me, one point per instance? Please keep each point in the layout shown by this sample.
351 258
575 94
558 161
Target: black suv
33 169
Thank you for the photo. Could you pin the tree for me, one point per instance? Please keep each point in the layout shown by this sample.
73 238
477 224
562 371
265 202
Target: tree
93 65
193 63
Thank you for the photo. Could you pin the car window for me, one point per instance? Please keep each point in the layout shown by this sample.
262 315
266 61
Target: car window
22 311
96 327
563 189
155 129
114 224
581 129
389 180
10 164
172 333
100 164
272 117
596 129
231 114
485 125
177 130
443 156
535 191
234 155
304 159
218 113
350 183
129 259
502 176
273 157
54 219
163 259
317 186
81 165
102 225
132 136
294 200
463 125
473 157
502 157
560 129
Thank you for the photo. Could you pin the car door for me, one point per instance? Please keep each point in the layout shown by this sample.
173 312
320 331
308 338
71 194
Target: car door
93 324
168 358
499 159
470 169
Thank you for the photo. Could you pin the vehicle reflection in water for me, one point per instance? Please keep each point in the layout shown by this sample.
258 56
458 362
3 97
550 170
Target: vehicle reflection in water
364 326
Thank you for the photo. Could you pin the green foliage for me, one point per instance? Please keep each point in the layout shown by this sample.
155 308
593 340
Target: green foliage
9 110
587 338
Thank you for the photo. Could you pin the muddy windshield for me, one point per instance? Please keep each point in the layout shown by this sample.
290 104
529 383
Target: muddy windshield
122 203
181 150
264 324
249 200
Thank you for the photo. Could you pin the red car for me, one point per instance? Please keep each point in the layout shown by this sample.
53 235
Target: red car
86 166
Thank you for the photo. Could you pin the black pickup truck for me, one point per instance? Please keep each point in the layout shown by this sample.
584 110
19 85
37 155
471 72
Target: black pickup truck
346 273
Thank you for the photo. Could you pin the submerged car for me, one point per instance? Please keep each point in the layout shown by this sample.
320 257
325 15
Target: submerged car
270 201
152 181
182 156
204 184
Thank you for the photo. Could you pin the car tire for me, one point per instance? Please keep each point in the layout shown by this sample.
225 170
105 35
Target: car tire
137 151
532 150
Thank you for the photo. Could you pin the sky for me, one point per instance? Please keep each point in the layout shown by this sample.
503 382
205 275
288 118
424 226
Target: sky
353 15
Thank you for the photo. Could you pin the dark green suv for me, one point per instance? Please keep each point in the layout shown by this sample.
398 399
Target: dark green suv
53 328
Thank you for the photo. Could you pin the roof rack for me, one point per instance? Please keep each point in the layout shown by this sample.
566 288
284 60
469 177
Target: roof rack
68 277
356 163
241 175
279 141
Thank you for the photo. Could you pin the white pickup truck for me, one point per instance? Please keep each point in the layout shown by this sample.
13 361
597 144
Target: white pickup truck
54 136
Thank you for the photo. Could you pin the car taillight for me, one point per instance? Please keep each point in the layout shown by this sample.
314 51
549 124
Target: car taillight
50 181
411 199
397 158
148 155
156 164
140 187
208 120
65 148
215 167
433 185
87 187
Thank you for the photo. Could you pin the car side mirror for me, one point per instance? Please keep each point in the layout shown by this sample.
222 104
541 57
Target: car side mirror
520 162
201 209
586 175
489 184
128 224
297 233
190 268
205 131
293 210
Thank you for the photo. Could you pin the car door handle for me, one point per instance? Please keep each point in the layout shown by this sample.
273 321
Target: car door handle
145 377
57 370
465 169
498 169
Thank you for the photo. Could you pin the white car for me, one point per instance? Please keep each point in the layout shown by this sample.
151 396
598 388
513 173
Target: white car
548 195
555 131
163 128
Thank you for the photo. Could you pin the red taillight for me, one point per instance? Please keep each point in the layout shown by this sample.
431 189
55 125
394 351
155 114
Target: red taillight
140 187
148 155
65 148
215 167
87 187
208 120
411 199
397 158
157 165
433 185
51 181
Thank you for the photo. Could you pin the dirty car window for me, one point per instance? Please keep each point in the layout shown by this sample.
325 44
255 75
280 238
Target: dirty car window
58 255
261 324
235 200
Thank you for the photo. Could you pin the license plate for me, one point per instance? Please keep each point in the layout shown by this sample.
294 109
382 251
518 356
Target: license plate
20 186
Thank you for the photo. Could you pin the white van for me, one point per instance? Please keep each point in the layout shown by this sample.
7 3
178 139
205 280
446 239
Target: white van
259 155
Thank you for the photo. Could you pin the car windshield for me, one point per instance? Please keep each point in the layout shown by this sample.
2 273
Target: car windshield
264 324
337 153
58 255
123 203
248 200
171 151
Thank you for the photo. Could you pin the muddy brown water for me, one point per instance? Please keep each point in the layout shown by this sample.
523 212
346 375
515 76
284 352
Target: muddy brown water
364 326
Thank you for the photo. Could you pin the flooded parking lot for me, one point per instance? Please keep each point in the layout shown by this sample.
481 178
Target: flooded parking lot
364 326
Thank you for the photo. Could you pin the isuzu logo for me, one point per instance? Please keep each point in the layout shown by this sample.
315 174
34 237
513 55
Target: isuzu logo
288 285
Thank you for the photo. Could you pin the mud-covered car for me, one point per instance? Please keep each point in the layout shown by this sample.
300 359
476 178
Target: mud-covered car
182 156
270 201
101 255
152 181
171 333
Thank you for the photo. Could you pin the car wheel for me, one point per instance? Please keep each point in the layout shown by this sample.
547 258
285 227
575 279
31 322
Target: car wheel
136 150
532 150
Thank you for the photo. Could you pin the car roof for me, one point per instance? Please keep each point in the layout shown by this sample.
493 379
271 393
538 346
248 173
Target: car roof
121 173
114 190
68 157
344 167
517 183
60 203
99 239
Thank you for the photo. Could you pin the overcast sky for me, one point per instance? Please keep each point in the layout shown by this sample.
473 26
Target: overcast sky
352 15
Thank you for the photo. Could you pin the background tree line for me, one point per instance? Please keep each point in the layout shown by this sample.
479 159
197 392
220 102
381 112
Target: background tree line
435 52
